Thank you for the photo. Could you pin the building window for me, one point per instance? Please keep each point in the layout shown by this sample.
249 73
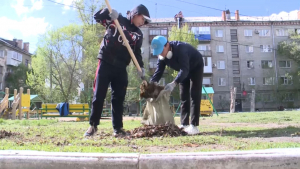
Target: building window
235 51
2 53
285 64
288 97
264 32
158 32
220 49
249 49
248 32
205 61
221 64
219 33
266 64
200 30
233 34
286 80
203 47
266 97
1 69
251 81
250 64
237 83
268 81
222 81
265 48
164 32
281 32
236 67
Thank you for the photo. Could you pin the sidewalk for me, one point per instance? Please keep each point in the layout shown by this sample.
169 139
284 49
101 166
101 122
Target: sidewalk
265 159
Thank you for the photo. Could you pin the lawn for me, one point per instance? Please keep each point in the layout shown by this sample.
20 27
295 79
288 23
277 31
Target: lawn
238 131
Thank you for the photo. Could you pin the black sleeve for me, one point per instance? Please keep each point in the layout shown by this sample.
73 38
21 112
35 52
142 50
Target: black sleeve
184 62
103 17
161 65
138 51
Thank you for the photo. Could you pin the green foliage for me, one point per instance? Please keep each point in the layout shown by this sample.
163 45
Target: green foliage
56 71
291 47
17 78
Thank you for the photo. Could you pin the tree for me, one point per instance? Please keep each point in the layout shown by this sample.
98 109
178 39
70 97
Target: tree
291 49
17 78
92 34
56 71
182 34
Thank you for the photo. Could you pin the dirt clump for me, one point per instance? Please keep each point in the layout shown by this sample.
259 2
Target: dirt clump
150 90
167 130
4 134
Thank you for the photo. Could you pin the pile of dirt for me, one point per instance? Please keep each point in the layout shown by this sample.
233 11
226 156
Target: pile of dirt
167 130
4 134
150 90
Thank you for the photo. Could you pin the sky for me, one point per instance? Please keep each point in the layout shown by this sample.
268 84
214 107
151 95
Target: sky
29 19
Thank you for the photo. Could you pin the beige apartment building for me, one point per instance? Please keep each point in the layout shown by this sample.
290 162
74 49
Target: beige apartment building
12 53
238 51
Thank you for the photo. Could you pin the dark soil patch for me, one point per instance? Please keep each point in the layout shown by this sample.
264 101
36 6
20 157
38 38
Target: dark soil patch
169 130
4 134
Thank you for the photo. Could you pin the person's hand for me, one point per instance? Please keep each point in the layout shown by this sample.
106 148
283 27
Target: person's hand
142 73
170 87
114 14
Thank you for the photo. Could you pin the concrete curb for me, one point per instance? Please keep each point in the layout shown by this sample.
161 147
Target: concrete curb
266 159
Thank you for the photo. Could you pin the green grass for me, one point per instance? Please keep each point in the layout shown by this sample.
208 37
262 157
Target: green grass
240 131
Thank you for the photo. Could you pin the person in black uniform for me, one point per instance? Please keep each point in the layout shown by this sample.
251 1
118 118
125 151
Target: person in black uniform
188 61
113 60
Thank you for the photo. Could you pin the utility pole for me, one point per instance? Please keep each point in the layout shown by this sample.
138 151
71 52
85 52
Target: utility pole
51 75
253 101
233 96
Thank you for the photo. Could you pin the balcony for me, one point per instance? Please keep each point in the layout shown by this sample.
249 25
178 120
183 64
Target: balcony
205 53
203 37
202 33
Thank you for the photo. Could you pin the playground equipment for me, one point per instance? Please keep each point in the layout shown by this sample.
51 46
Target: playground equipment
20 104
206 108
4 105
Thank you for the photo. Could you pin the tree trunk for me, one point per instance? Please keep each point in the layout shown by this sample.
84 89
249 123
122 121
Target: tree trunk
233 96
253 101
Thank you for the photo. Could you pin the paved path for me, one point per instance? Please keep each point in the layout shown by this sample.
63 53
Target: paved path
262 159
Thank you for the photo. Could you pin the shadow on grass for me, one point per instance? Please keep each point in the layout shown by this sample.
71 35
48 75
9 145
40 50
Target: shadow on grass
264 133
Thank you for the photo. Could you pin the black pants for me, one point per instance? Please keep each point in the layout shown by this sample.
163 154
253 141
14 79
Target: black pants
194 92
118 79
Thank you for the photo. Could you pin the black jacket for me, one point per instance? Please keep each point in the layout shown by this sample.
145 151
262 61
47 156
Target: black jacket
185 58
112 49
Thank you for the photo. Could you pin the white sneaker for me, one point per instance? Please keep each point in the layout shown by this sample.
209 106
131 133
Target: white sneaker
192 130
182 126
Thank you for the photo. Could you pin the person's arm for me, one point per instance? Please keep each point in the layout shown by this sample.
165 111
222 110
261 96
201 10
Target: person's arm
184 62
103 17
161 65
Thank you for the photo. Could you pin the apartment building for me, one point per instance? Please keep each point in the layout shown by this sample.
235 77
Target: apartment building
238 51
12 53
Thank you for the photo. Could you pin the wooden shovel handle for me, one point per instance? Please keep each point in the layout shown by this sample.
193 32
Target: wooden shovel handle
124 39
